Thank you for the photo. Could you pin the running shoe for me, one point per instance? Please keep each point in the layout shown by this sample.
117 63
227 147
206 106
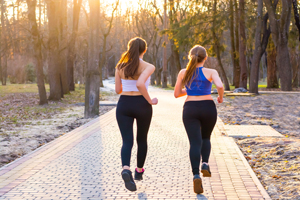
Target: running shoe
129 182
138 175
197 184
205 170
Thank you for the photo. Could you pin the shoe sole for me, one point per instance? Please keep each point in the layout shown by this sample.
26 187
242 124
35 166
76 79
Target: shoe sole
138 179
205 173
198 186
128 183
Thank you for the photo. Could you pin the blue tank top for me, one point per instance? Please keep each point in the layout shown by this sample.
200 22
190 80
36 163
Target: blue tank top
200 85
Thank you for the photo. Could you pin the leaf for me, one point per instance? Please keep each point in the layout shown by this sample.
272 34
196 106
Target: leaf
276 176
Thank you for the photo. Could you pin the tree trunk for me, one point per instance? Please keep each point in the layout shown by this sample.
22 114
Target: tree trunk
102 60
71 48
295 67
260 47
63 46
1 72
232 50
92 75
280 31
272 81
242 48
237 70
158 73
298 71
217 48
4 39
37 47
165 72
296 16
53 54
173 70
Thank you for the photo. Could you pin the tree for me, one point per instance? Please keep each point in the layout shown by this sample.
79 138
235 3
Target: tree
165 63
261 41
71 47
234 59
5 46
175 57
37 47
217 47
295 65
92 75
272 81
63 40
237 70
54 76
279 31
102 54
242 47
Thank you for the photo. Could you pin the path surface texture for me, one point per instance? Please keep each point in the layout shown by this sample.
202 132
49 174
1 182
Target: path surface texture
86 163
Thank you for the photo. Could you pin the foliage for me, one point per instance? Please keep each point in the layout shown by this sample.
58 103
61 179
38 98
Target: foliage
30 73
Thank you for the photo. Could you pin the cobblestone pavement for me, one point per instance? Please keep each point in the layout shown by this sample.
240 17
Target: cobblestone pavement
86 164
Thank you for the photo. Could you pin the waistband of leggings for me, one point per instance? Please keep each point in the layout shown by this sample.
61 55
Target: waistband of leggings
201 102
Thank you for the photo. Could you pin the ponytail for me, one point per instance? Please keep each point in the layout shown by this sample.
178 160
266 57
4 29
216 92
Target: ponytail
129 61
196 55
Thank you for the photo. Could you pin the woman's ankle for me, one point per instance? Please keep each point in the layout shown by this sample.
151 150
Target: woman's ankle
126 167
140 170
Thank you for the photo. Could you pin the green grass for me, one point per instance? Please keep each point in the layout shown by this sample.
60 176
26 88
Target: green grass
21 88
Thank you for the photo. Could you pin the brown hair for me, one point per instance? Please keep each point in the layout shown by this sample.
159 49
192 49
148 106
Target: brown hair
129 61
196 55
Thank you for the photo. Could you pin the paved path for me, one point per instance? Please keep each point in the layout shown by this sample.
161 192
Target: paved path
86 164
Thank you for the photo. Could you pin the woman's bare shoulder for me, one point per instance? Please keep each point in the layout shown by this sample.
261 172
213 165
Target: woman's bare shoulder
146 65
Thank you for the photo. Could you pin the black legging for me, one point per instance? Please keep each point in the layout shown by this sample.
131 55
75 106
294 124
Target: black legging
128 109
199 118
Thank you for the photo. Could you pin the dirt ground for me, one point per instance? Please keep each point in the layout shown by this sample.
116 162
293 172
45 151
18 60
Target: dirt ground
276 161
25 126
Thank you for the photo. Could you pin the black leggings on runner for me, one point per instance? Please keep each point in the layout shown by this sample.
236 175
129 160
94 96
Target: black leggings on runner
128 109
199 118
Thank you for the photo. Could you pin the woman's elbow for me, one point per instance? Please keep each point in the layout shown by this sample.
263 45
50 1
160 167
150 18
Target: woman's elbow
176 94
220 87
139 85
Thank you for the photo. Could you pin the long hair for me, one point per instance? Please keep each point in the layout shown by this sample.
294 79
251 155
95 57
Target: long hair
129 61
196 55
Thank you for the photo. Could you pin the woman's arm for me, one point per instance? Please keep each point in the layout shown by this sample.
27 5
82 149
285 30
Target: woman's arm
140 84
118 82
217 81
178 91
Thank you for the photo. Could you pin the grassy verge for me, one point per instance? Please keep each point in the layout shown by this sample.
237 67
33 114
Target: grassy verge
19 104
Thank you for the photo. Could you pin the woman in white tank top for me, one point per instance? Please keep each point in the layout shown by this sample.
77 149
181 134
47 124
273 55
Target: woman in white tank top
132 78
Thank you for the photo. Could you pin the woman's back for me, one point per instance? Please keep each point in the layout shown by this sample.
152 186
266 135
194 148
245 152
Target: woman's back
129 84
200 85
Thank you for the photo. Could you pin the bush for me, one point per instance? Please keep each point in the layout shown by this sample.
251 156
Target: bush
30 73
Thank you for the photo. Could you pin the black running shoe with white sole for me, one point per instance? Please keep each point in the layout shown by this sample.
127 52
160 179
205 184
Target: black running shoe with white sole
128 179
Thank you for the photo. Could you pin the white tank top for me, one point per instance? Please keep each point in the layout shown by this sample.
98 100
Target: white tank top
130 85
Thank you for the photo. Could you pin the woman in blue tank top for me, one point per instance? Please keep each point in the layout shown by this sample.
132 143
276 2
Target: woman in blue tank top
199 111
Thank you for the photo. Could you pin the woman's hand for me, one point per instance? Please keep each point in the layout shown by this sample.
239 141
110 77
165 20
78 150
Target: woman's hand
220 99
154 101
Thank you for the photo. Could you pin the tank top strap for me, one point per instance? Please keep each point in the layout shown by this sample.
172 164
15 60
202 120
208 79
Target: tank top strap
202 74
